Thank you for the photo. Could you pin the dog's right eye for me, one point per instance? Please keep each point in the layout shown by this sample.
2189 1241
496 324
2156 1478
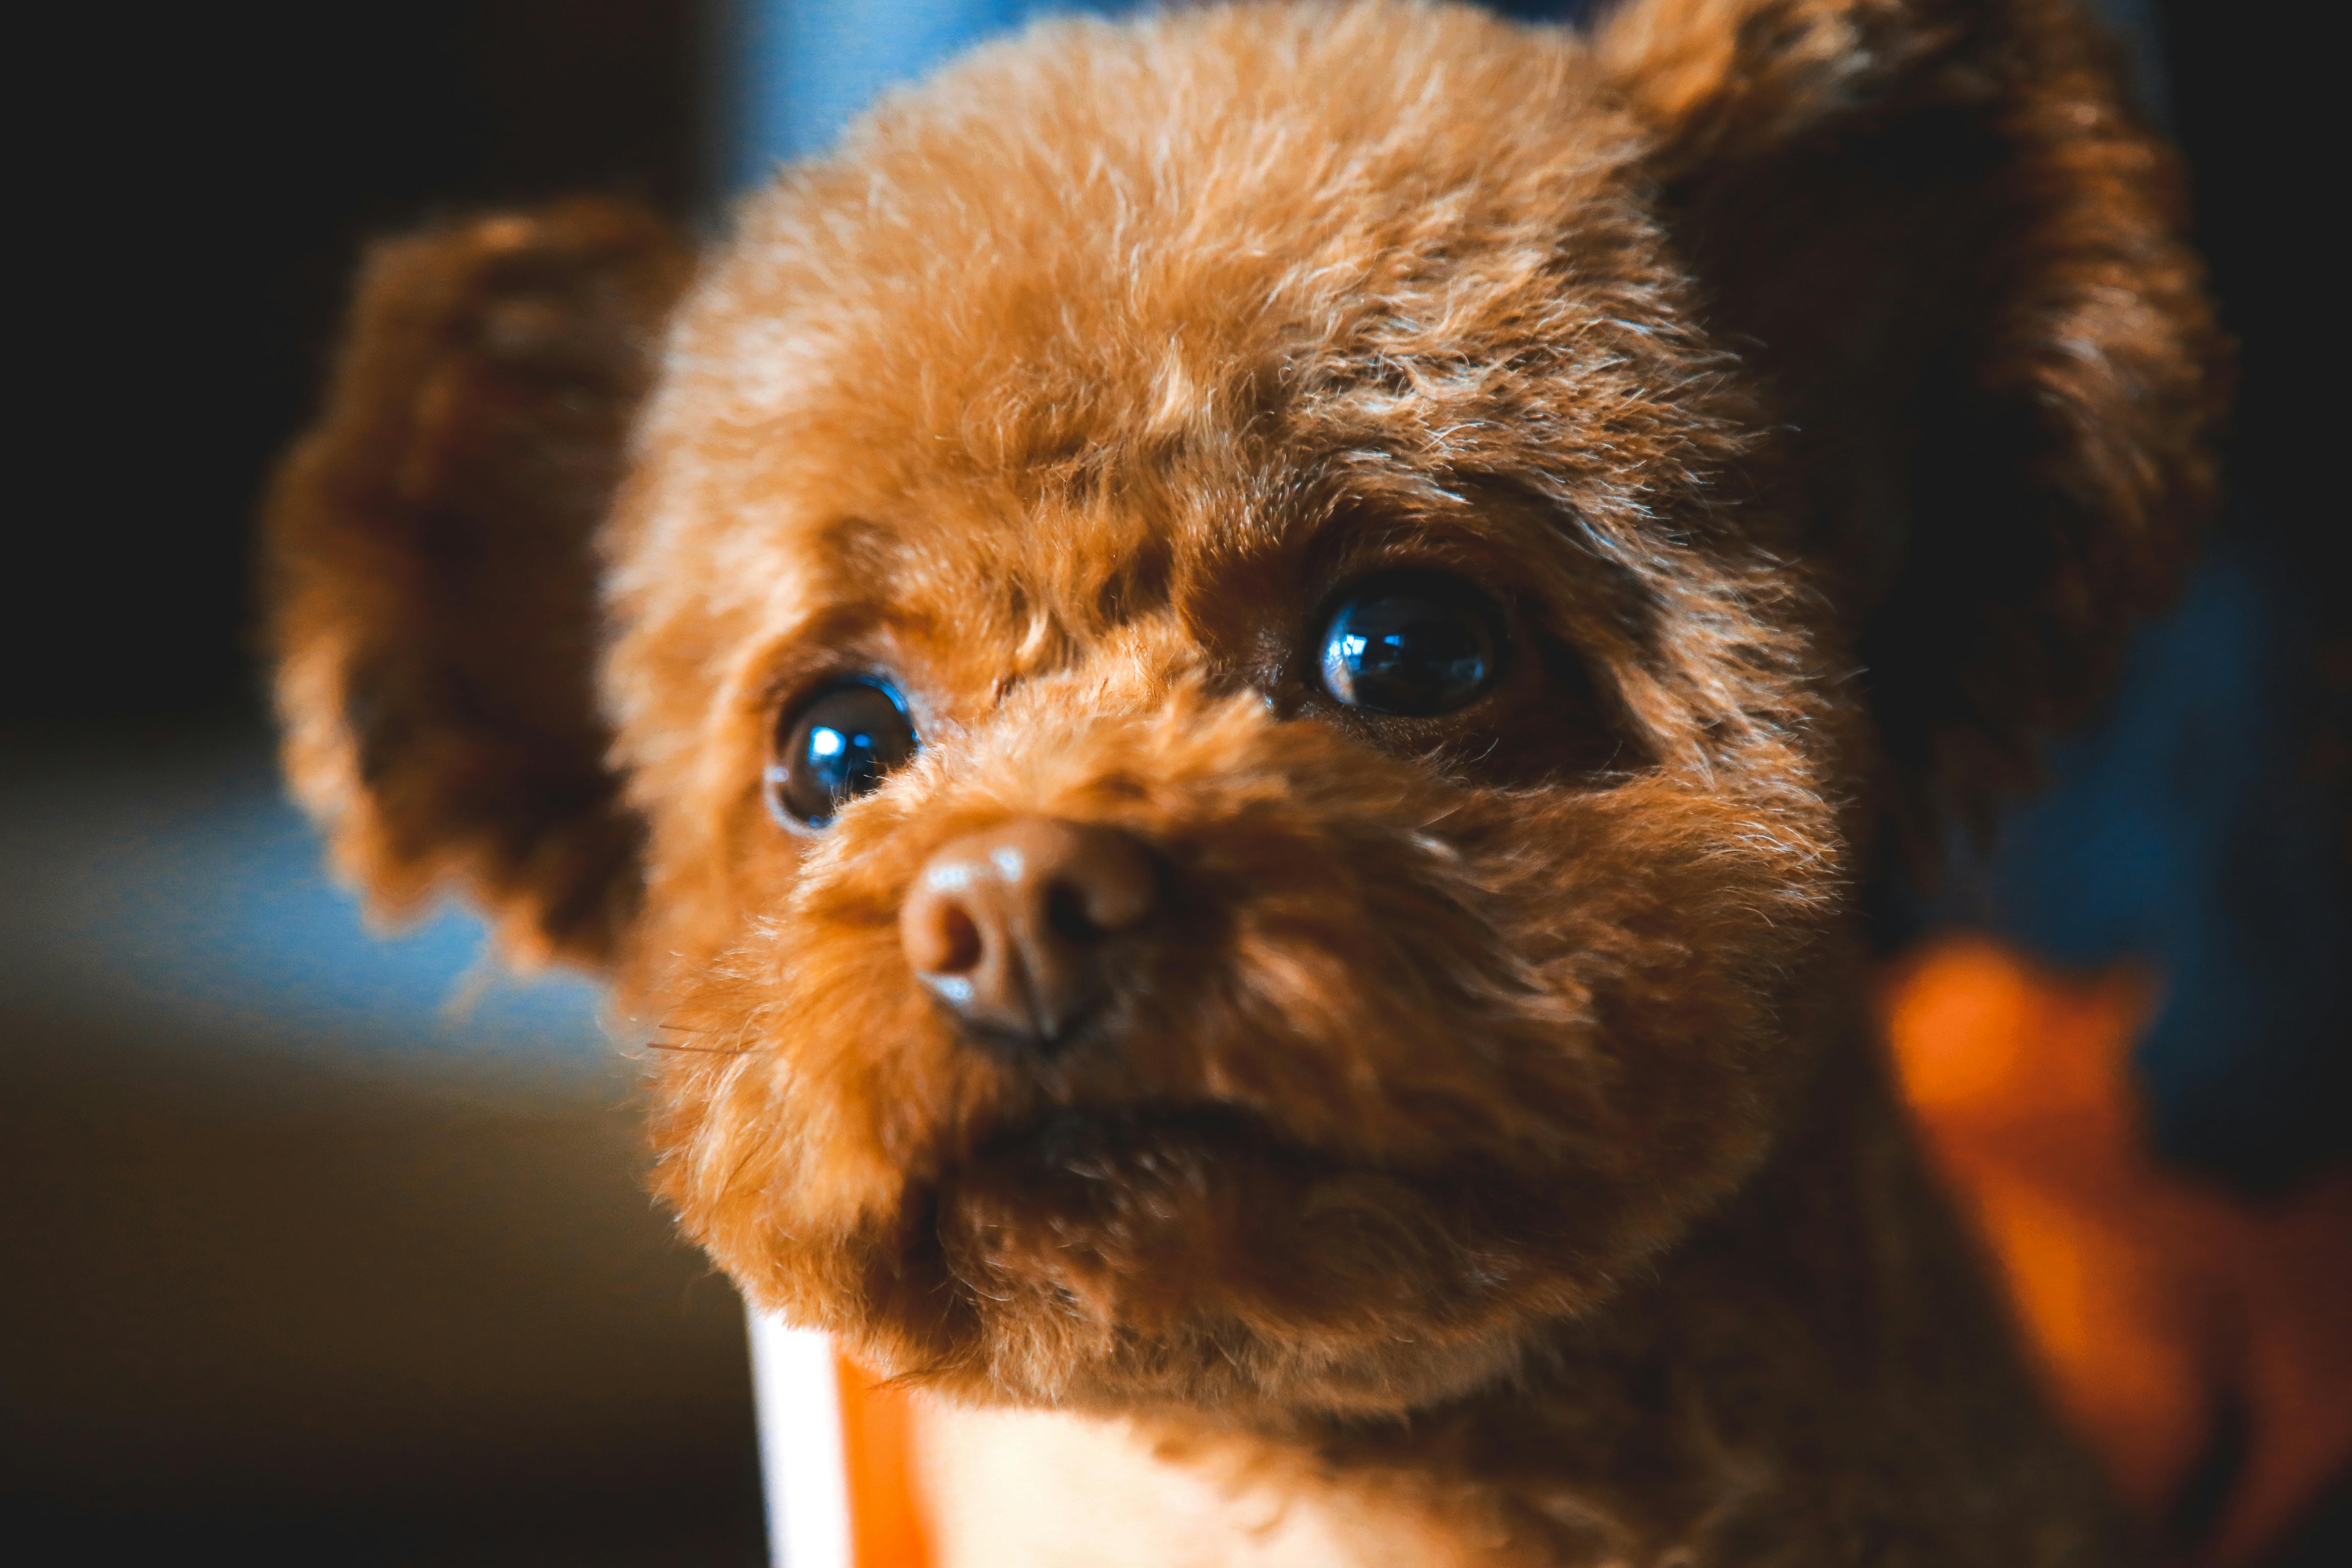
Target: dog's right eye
837 746
1412 644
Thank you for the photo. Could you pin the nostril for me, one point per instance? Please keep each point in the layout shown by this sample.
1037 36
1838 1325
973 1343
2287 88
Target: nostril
940 936
1066 916
960 946
1108 883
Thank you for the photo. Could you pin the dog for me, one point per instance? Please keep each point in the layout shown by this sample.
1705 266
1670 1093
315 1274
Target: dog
1223 693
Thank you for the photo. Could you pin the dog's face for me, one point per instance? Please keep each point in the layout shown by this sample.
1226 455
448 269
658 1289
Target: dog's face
1241 707
1239 810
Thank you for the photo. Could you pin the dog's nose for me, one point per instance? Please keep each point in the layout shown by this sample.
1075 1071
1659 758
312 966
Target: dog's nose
1006 927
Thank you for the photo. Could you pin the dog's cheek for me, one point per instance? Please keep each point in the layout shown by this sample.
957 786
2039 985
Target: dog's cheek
1594 1001
1701 922
1587 976
1388 1042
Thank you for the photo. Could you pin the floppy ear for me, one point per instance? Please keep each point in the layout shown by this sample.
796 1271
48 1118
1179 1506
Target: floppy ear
1954 252
430 556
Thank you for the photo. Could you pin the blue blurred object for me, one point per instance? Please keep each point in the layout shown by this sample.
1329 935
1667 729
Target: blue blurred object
793 72
179 890
796 71
2184 830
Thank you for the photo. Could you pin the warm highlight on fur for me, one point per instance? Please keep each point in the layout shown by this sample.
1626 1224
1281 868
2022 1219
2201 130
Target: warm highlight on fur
1490 1115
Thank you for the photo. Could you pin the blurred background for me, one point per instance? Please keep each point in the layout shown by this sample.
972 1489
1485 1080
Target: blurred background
327 1249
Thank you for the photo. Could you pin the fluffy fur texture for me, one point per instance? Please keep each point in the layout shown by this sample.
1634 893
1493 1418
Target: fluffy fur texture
1818 385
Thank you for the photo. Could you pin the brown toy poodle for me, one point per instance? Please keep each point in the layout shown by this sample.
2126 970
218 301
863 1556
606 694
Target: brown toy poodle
1222 691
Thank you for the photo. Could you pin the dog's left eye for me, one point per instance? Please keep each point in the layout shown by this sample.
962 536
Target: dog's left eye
1413 645
837 746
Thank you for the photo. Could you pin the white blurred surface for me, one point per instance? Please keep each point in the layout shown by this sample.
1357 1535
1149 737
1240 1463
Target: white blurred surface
803 1466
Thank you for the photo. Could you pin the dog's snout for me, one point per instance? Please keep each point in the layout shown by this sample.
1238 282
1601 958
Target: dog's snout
1007 926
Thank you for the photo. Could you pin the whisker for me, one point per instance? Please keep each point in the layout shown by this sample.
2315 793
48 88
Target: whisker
702 1050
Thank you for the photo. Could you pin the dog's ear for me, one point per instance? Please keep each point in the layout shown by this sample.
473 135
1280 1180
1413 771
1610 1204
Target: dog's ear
1942 232
431 569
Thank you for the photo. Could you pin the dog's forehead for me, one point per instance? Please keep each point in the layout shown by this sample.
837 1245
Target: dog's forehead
1110 302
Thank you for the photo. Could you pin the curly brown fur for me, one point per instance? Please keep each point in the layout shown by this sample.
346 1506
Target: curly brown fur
1489 1118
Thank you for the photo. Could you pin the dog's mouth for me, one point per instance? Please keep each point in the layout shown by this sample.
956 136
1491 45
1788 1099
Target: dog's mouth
1118 1144
1154 1216
1119 1191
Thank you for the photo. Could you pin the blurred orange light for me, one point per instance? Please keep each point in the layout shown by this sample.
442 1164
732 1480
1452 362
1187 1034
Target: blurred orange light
2154 1301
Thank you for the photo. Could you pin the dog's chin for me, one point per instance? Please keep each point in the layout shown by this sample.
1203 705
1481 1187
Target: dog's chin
1161 1255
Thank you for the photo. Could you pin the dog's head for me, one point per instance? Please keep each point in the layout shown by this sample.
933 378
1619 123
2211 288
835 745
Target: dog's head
1248 656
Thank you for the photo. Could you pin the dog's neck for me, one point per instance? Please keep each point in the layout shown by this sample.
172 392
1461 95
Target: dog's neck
1821 1371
